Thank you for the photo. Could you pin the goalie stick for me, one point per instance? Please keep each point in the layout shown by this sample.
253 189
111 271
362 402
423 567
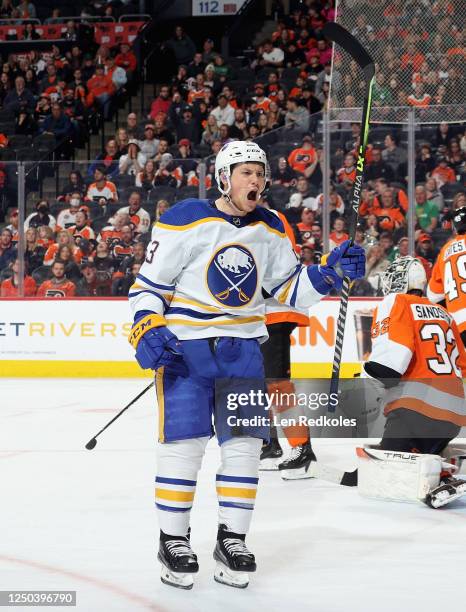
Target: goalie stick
331 474
336 33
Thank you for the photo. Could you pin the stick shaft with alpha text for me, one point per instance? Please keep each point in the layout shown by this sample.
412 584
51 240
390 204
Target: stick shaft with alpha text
348 42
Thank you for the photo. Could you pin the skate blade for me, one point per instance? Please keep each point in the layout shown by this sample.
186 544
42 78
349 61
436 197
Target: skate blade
298 474
175 579
224 575
269 465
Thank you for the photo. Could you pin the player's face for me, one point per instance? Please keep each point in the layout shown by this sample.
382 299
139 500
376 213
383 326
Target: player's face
247 183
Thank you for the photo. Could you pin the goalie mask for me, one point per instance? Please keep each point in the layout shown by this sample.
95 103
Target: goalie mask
238 152
404 274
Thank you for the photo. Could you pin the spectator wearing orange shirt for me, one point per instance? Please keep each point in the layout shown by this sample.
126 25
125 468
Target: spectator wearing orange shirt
348 172
443 173
102 191
58 286
400 198
304 159
305 226
63 237
369 202
9 287
390 218
262 102
198 92
338 235
419 97
81 230
297 89
111 234
101 90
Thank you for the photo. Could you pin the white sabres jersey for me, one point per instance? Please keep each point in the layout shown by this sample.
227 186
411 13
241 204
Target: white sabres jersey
204 271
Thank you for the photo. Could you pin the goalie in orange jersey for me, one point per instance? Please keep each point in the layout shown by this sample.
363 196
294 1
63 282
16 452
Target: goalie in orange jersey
418 357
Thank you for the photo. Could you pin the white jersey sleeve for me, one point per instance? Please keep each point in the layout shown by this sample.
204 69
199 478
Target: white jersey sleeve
286 279
155 284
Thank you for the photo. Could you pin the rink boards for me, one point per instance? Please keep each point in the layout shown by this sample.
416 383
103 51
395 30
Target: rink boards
88 338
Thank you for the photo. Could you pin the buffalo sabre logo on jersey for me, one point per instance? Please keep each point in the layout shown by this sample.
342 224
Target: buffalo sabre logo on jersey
232 276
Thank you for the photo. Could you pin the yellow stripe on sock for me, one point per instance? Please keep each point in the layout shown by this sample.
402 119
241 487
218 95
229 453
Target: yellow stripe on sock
180 496
160 402
234 492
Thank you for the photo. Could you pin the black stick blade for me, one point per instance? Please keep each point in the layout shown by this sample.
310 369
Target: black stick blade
91 444
338 34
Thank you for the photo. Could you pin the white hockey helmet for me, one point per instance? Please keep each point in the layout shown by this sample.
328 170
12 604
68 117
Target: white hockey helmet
404 274
238 152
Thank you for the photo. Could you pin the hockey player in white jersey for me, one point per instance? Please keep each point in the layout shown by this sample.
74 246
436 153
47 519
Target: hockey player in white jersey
199 316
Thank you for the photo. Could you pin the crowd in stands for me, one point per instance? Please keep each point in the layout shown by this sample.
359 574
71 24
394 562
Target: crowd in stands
91 240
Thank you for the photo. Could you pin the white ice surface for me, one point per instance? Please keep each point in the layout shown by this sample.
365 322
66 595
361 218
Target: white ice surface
85 520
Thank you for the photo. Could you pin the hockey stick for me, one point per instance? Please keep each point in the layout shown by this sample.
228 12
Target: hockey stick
331 474
336 33
93 441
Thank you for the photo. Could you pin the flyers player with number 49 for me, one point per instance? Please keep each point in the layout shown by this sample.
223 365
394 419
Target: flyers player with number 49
449 274
418 357
199 316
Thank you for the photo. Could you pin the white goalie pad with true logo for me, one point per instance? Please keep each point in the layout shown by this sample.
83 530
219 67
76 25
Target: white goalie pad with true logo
397 476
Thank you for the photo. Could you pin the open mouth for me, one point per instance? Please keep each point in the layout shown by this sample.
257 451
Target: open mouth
252 195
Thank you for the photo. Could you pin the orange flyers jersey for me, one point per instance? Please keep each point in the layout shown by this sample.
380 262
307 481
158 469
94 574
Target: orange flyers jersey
448 280
49 289
281 313
109 235
85 232
9 289
299 159
420 341
346 174
50 254
109 191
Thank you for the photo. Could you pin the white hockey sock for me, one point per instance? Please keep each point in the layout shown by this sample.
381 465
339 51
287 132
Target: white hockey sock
237 480
177 466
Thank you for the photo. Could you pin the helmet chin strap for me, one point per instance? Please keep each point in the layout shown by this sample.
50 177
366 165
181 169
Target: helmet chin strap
226 196
232 205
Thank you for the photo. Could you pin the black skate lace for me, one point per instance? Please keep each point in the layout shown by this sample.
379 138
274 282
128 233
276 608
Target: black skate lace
178 548
235 546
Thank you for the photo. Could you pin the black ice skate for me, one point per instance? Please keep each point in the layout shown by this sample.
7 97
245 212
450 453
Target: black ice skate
449 490
298 464
234 560
178 560
270 454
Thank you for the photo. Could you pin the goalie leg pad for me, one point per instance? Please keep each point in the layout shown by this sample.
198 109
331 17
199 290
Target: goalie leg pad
397 476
